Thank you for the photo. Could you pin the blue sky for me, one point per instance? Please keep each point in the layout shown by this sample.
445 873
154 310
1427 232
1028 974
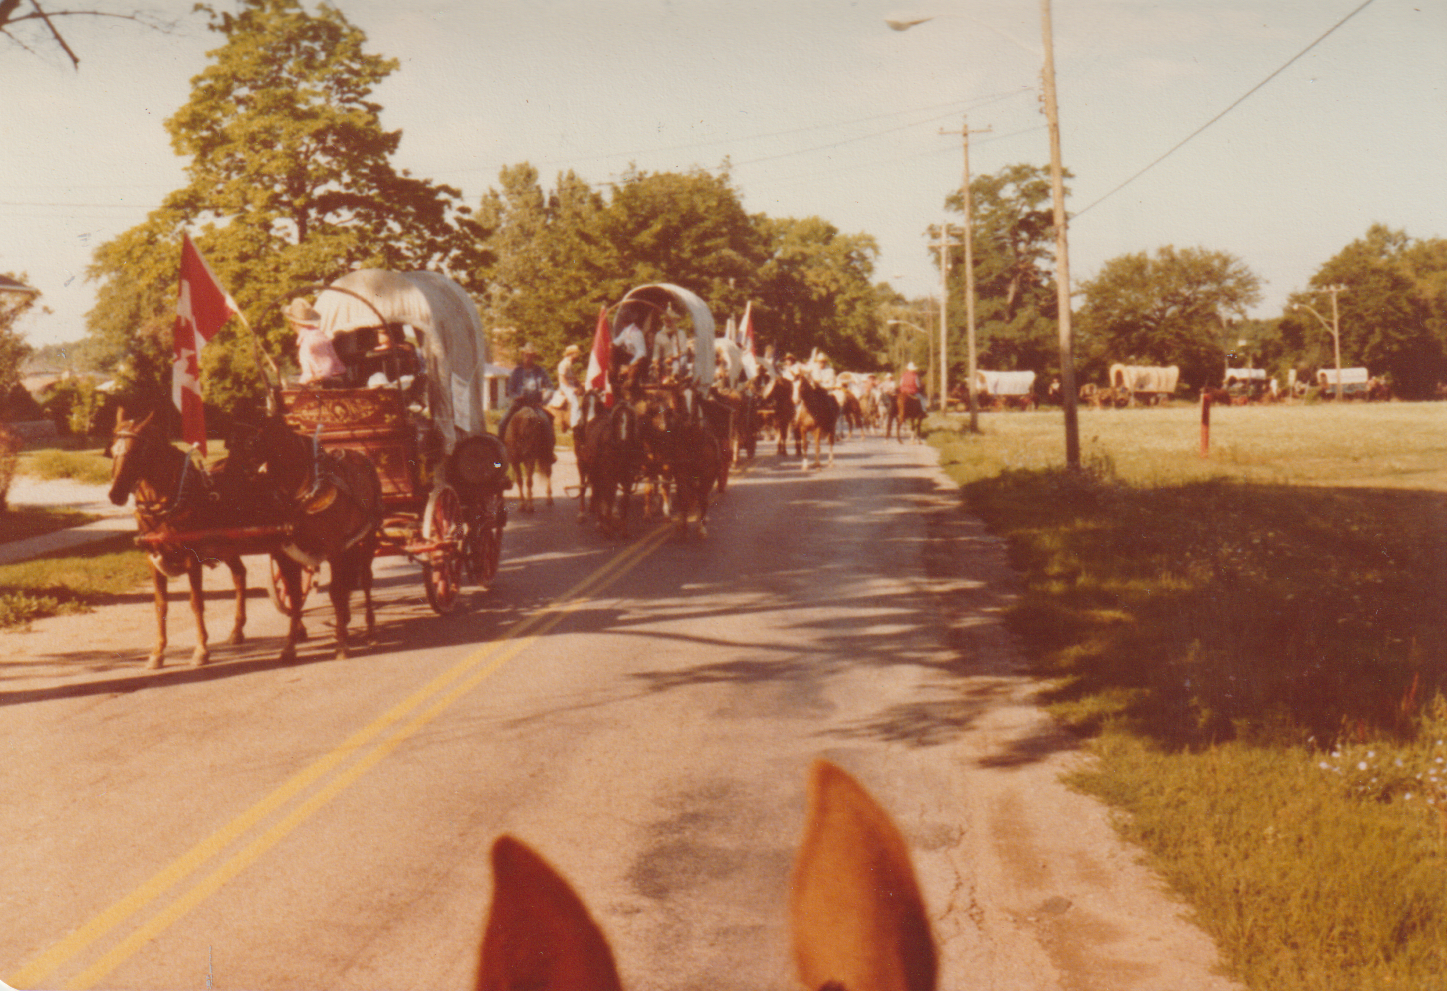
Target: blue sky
821 110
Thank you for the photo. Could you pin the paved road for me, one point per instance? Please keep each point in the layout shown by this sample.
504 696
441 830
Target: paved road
643 713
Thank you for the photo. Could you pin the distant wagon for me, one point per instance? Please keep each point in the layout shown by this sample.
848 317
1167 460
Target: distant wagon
1005 390
1248 384
1149 384
1354 382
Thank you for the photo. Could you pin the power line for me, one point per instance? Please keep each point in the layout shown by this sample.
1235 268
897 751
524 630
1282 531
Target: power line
1223 113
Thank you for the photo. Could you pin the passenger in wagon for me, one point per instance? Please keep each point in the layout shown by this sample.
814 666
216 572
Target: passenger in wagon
315 353
392 359
667 347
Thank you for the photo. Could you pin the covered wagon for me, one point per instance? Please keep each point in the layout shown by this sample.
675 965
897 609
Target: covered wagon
1150 384
1354 381
1002 390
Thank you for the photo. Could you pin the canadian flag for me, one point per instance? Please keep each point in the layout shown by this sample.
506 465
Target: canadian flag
598 360
746 329
202 308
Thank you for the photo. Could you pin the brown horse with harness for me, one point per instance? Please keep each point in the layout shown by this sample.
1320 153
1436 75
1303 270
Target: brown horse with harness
188 517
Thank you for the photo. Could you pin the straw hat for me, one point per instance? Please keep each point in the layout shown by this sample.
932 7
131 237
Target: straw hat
529 349
300 311
571 350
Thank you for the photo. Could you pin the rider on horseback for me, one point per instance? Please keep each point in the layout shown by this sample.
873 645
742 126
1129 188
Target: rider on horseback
528 385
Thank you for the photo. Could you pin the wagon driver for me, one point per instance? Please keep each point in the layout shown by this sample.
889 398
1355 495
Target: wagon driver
632 347
528 385
315 353
667 347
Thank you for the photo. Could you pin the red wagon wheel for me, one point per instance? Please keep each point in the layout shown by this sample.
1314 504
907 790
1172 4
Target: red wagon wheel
442 572
277 588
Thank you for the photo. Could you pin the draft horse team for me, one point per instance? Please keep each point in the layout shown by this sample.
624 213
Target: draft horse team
382 448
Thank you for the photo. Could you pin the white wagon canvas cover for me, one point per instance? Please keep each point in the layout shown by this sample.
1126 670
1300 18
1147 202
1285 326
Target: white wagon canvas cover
1004 383
659 295
454 346
1352 379
1145 378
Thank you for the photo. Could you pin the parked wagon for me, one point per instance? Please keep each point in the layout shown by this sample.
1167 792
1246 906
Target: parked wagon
1148 384
1004 390
1248 385
1355 382
415 409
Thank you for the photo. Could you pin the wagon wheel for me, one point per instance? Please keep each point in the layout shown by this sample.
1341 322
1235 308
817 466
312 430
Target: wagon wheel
442 571
483 546
277 589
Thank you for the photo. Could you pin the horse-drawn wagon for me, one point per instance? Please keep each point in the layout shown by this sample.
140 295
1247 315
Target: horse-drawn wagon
666 430
1148 384
1004 390
414 408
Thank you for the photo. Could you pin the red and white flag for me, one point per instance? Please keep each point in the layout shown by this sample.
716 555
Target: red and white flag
598 360
202 307
746 329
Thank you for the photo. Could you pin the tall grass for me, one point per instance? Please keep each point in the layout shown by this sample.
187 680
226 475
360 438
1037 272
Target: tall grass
1257 643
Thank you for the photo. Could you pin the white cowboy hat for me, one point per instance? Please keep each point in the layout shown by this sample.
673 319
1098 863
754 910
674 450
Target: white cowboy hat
571 349
300 311
528 349
912 367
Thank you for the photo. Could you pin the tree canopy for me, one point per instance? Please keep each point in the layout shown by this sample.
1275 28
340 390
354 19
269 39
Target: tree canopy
290 184
1392 311
1170 309
13 349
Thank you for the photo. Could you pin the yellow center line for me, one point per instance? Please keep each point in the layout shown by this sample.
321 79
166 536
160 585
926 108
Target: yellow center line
480 665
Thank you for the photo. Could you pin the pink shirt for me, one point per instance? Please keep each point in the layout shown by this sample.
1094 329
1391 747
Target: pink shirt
318 357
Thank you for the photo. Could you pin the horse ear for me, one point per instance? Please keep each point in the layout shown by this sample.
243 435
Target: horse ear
146 422
858 918
539 934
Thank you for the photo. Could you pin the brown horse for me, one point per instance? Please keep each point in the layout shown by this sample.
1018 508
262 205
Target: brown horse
777 399
530 452
856 912
334 508
816 414
177 499
908 409
609 453
676 434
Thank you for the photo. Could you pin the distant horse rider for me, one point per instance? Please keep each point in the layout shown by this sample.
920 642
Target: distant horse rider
568 388
528 385
667 347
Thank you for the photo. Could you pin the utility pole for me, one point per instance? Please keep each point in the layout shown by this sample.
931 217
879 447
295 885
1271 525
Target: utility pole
1336 333
944 245
1062 251
970 275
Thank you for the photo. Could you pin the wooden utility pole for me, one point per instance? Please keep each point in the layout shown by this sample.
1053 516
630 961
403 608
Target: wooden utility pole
1062 250
970 276
945 245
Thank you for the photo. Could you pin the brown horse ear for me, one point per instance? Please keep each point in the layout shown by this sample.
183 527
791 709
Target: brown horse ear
146 422
539 934
858 918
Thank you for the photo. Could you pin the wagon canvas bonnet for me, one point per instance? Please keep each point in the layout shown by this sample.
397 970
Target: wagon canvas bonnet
454 347
660 295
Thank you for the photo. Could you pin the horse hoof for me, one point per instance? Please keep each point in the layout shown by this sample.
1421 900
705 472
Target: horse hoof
154 662
200 657
237 637
288 654
342 653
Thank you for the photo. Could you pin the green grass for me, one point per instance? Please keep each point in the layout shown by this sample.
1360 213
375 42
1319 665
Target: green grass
89 466
74 583
1256 642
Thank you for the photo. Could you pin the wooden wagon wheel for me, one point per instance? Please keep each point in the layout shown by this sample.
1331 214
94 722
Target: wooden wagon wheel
276 588
483 547
442 571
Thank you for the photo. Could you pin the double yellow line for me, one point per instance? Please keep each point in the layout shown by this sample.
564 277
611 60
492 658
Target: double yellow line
336 771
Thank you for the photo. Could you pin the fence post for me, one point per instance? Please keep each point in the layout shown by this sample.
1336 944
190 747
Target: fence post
1205 422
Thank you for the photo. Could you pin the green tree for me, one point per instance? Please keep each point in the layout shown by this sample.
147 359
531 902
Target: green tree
815 291
1172 309
552 266
289 184
13 347
1393 312
1016 309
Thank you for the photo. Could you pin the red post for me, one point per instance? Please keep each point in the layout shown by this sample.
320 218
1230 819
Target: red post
1205 422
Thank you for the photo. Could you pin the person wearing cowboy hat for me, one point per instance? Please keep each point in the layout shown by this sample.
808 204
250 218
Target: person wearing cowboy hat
567 392
315 353
528 385
909 381
667 346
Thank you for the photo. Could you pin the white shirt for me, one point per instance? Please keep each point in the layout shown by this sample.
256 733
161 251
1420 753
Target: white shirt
631 337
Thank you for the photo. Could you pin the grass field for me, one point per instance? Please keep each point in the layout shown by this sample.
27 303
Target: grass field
1256 643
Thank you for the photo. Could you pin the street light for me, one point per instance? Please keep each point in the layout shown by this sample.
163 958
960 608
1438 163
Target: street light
1333 328
1062 250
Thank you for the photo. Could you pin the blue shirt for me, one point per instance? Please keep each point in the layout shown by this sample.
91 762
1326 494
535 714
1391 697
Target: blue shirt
524 379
